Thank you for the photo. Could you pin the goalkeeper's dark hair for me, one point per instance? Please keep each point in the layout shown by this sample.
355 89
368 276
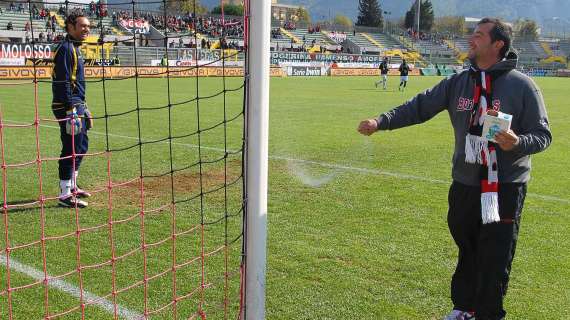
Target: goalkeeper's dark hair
500 32
72 18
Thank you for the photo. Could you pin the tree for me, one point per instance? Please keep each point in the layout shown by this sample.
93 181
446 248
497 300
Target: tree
409 20
450 24
526 30
370 14
229 9
343 21
303 15
426 16
186 6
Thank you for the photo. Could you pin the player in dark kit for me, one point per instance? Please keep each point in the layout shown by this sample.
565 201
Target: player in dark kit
69 107
404 69
383 73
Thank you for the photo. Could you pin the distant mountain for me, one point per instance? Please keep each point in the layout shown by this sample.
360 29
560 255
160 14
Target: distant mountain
538 10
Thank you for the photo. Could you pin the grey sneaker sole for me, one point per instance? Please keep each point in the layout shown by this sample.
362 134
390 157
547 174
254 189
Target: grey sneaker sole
70 202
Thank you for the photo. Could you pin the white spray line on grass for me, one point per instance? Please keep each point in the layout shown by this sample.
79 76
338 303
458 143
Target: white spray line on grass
322 164
400 175
71 289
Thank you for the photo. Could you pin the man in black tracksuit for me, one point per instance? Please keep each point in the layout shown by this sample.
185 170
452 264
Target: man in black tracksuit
69 107
384 68
404 70
484 216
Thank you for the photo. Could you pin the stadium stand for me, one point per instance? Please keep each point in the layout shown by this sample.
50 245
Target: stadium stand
362 43
564 47
386 41
530 52
280 40
205 32
312 38
462 44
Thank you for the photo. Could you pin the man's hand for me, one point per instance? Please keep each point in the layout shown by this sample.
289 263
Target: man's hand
368 127
88 119
72 123
507 140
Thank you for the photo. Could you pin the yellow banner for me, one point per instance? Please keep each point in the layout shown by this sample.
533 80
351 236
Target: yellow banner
27 72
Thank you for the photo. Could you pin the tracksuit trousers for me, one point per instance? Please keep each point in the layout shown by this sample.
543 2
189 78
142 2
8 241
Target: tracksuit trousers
78 145
486 251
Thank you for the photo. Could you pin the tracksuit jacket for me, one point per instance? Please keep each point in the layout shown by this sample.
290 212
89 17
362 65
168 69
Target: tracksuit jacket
68 78
513 93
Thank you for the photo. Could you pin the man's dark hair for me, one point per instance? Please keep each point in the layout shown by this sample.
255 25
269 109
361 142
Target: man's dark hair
72 19
501 31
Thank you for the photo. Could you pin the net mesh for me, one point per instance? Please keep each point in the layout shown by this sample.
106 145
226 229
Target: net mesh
162 236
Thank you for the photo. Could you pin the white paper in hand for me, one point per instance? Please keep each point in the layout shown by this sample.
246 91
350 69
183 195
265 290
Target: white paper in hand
493 124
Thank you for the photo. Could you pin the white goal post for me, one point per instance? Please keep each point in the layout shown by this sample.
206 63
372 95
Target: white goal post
257 127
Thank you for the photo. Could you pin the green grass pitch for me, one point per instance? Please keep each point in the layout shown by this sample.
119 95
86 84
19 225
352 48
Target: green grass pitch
356 226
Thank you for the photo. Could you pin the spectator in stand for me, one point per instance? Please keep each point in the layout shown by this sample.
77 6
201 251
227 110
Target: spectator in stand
27 26
9 26
12 7
41 37
35 12
92 8
28 37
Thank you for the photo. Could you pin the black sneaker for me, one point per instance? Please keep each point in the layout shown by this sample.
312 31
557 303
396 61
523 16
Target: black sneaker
71 201
80 192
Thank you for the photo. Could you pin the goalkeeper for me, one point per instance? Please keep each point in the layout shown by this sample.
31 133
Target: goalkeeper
69 107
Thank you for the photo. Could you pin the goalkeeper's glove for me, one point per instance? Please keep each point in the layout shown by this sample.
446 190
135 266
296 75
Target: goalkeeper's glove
88 119
73 122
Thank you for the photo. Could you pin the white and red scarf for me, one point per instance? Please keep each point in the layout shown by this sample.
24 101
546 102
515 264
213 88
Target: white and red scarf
480 151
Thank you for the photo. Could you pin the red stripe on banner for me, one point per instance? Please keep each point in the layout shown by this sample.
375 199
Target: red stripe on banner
489 187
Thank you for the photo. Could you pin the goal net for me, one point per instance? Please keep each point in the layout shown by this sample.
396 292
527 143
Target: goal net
163 235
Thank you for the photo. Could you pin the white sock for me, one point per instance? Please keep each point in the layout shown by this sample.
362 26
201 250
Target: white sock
74 180
64 188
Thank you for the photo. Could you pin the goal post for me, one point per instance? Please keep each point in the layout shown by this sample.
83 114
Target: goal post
257 128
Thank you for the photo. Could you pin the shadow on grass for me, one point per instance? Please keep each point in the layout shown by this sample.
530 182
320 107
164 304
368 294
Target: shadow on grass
28 205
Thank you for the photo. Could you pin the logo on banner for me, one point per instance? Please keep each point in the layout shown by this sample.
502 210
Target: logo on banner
25 51
136 26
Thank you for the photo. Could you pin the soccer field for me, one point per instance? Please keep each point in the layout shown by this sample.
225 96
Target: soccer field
356 225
